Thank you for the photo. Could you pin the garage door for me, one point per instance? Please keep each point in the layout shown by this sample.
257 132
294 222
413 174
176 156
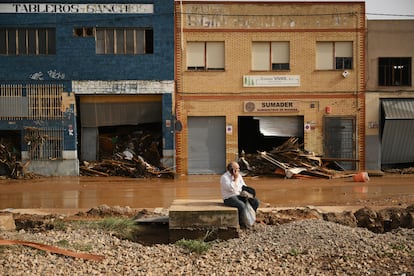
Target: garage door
397 133
206 145
340 140
105 110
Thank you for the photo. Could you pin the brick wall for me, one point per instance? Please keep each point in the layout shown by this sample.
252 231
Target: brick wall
223 94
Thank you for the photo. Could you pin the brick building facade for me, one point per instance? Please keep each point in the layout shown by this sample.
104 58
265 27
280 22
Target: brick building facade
250 75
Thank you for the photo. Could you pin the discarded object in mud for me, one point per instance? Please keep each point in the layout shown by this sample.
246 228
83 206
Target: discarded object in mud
53 249
289 161
361 177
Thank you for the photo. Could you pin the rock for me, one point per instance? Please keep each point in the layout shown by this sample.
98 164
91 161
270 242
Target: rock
410 208
368 218
7 222
346 218
287 215
394 218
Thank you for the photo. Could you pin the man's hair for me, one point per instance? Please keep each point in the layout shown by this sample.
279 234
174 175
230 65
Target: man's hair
230 165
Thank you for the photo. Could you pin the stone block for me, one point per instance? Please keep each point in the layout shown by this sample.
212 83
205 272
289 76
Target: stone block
202 219
201 213
7 222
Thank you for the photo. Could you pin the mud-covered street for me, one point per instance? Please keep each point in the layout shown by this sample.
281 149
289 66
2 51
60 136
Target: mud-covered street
88 192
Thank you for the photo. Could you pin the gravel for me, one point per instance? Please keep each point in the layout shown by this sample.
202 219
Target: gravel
307 247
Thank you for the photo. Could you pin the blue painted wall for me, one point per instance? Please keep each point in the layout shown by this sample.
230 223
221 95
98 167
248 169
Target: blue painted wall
75 56
76 59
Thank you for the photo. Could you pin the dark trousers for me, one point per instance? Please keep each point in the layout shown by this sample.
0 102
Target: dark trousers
239 203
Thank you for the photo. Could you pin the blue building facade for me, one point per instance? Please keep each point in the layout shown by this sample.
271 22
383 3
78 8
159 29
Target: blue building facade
70 70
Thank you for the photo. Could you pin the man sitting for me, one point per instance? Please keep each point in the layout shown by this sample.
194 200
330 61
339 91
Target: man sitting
231 188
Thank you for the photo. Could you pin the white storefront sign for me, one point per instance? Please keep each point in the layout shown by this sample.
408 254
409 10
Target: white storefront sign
115 8
271 106
271 81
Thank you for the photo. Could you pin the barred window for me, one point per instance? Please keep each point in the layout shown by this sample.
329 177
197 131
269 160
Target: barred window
31 101
394 71
124 41
27 41
44 143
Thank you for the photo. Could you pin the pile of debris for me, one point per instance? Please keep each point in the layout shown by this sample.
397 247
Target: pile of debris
289 161
10 167
126 165
128 153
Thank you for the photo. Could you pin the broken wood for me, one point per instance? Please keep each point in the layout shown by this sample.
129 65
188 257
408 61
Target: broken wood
290 161
53 249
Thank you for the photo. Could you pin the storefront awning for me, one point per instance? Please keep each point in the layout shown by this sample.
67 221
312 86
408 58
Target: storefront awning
398 108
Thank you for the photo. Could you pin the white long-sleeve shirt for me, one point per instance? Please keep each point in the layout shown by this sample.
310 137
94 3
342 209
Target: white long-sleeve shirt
229 187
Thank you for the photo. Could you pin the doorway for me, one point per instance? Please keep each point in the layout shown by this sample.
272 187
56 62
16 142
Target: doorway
267 132
340 140
206 145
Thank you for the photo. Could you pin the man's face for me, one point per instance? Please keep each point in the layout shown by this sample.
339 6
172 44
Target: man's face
236 168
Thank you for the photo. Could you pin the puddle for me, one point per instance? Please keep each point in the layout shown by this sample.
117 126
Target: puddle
89 192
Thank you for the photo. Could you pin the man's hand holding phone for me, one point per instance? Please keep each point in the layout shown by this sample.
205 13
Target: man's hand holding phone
235 173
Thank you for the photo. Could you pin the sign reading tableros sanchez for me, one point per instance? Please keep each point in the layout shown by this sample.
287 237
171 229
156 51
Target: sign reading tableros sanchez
271 106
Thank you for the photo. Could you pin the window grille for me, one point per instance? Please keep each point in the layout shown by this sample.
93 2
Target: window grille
41 102
27 41
394 71
45 101
124 41
44 143
13 104
34 101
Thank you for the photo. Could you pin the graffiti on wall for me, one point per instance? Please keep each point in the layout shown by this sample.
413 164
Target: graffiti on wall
51 74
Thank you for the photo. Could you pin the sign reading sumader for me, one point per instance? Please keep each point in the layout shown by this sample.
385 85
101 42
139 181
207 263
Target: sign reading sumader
271 106
76 8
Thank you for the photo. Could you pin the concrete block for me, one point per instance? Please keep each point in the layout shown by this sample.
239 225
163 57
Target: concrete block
7 222
204 234
203 220
202 213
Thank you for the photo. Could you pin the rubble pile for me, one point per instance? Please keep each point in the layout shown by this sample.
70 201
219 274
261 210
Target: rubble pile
289 161
409 170
132 154
10 167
